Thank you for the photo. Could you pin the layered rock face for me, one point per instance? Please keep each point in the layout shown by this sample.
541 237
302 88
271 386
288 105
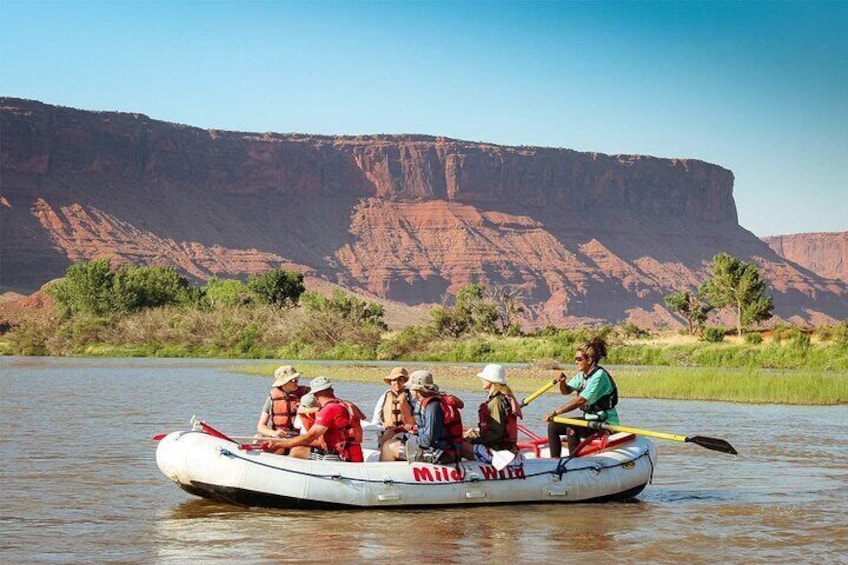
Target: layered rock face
587 237
825 254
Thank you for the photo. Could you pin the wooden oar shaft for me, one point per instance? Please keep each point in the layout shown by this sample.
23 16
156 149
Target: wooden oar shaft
623 429
538 393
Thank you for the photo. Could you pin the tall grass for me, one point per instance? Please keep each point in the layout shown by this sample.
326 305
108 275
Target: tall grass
754 386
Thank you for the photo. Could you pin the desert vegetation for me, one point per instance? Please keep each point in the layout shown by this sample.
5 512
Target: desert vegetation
153 311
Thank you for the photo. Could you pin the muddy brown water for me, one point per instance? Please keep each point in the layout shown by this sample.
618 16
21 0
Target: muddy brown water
80 483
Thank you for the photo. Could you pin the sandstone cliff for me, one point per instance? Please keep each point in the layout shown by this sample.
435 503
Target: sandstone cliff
825 254
588 237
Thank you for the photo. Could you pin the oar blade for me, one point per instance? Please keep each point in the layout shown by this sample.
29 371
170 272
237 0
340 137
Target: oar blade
713 443
500 459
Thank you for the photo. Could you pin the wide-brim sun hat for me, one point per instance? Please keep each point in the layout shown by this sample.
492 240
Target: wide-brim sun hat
422 381
319 384
397 373
493 373
285 374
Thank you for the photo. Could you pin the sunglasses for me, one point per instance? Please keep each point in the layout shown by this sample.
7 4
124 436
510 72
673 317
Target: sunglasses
579 359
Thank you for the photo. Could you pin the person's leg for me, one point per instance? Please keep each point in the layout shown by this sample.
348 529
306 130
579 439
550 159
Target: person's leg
468 450
575 435
300 452
555 430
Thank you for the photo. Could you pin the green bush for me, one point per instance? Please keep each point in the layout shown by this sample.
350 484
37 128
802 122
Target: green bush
278 287
753 338
712 334
227 293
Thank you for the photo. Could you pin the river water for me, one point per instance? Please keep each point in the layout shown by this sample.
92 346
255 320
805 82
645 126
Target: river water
81 485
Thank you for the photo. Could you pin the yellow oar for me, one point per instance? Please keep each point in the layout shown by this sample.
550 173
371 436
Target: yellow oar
709 442
538 393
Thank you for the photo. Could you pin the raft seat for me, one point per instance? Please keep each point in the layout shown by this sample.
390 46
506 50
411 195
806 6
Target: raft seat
592 444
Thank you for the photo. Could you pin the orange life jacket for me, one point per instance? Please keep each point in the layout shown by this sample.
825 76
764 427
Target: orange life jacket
397 410
451 405
513 413
284 407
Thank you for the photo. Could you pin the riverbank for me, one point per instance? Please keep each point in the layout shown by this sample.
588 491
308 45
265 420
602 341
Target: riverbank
754 386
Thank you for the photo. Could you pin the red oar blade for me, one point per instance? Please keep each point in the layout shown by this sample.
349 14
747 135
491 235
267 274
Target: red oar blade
158 437
713 443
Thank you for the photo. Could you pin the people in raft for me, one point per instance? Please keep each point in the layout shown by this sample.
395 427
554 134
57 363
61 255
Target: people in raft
393 410
338 424
439 425
280 408
597 396
498 419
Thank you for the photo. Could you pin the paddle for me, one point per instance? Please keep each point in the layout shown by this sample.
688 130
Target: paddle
502 458
538 393
708 442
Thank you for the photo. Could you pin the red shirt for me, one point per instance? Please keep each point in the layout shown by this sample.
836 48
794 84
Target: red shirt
334 417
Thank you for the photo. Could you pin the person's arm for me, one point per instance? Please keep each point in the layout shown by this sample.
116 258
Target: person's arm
262 426
572 404
377 418
426 432
315 432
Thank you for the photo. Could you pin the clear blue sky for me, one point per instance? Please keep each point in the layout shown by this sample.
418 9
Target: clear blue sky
759 88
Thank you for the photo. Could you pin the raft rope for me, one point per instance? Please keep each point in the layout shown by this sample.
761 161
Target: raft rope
595 468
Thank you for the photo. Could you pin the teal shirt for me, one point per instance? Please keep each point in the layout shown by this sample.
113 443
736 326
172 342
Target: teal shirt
598 385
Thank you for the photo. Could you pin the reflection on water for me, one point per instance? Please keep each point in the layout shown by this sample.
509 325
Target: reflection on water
81 483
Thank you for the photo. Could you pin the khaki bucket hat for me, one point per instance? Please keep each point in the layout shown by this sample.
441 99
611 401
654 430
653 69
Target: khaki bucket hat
284 374
397 373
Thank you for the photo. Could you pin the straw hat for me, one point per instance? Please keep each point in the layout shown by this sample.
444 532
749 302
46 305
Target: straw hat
422 381
284 374
397 373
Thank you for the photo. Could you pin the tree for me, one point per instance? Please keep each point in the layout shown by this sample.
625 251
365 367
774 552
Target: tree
693 309
227 292
137 287
738 285
278 287
86 289
341 318
473 306
507 303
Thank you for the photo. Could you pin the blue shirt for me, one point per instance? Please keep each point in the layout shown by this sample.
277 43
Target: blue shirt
431 425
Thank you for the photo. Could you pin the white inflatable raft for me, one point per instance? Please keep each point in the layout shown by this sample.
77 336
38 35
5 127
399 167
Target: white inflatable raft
223 469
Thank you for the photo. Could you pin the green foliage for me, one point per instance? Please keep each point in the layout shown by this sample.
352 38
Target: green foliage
86 289
473 312
691 308
134 288
712 334
340 319
630 330
737 285
345 306
753 338
473 306
226 293
447 322
406 343
93 288
278 287
837 334
506 303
